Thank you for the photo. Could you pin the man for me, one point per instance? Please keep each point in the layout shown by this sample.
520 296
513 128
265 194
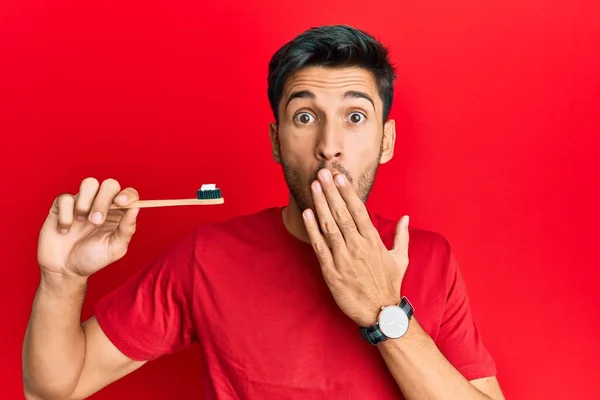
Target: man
316 300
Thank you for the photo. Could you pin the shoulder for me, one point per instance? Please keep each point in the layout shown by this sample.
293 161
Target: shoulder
431 259
424 243
244 228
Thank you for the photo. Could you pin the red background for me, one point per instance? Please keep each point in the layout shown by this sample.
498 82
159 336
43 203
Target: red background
498 117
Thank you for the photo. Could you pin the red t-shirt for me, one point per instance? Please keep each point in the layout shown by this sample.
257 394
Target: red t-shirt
253 297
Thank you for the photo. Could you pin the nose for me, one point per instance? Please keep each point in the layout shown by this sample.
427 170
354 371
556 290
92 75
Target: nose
329 145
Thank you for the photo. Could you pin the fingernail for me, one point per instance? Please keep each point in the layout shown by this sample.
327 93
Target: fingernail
325 175
64 231
308 215
317 186
340 179
80 218
121 198
96 217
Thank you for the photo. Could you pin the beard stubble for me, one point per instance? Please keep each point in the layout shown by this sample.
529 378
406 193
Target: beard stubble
301 192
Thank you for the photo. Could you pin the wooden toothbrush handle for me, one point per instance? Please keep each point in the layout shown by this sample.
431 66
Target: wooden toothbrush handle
169 203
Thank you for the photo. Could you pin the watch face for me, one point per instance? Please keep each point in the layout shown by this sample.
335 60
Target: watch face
393 322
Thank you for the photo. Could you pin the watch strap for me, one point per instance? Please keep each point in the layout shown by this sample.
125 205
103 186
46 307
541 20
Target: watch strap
373 334
407 307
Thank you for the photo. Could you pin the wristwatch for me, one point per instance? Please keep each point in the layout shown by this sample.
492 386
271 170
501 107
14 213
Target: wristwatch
392 323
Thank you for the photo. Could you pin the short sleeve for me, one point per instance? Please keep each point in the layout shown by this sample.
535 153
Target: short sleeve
151 315
459 338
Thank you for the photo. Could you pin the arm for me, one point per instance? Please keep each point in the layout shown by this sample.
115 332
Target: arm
422 371
143 319
442 369
63 358
364 276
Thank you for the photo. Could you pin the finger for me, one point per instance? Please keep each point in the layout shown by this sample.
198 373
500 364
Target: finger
85 197
402 238
337 206
331 231
127 196
105 197
317 240
355 206
126 227
63 208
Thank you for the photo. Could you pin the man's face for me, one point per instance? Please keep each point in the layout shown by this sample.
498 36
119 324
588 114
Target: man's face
331 118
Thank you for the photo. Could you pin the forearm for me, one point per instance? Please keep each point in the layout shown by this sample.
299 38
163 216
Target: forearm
422 371
54 343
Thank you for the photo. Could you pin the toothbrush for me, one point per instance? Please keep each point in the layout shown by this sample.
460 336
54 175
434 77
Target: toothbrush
208 194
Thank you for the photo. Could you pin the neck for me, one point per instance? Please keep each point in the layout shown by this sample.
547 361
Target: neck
293 221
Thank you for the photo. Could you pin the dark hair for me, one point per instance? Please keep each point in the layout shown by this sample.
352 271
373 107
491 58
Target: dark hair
332 46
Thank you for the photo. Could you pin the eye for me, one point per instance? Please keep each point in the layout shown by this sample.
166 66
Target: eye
304 118
357 117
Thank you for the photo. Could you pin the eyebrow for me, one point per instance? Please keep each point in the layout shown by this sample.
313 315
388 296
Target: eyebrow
301 94
355 94
351 94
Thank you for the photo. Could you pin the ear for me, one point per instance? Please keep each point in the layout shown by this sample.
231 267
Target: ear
389 141
274 136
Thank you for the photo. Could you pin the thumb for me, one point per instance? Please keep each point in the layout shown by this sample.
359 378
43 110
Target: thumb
127 226
402 237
